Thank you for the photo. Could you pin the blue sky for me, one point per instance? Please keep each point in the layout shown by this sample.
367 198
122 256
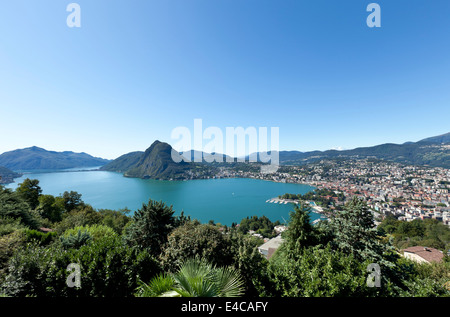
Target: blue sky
136 70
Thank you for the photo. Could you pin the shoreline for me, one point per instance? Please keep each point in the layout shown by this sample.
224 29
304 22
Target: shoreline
316 209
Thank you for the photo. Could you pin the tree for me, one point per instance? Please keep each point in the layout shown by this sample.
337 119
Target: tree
196 277
355 231
150 226
115 219
194 239
51 207
315 272
30 191
300 232
72 200
13 205
251 265
81 216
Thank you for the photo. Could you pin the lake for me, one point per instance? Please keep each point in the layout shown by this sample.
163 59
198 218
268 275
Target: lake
222 200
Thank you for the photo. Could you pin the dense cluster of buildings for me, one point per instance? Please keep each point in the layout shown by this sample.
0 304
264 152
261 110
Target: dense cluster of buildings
408 192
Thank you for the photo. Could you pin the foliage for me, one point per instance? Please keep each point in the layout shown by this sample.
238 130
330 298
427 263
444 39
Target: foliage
9 243
51 207
72 200
30 190
249 262
150 227
108 268
77 240
9 225
82 216
300 232
428 232
193 239
116 220
12 205
40 237
95 231
324 196
261 225
196 277
316 272
355 232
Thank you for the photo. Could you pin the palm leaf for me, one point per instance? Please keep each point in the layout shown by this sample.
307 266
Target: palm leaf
229 282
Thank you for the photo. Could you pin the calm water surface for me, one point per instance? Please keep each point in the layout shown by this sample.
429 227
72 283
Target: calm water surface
222 200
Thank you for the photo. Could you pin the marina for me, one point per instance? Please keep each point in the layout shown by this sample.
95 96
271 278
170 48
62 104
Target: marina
316 209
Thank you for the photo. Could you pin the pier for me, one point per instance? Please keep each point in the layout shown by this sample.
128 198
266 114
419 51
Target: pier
316 209
281 201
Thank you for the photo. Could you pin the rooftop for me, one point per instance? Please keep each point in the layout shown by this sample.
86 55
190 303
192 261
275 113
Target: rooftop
428 254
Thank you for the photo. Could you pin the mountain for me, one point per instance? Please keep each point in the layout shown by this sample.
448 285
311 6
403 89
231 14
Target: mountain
206 157
155 163
440 139
35 158
434 151
7 176
123 163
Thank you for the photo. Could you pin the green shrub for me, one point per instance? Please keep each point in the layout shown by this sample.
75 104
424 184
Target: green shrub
96 231
108 269
8 245
9 225
75 241
41 237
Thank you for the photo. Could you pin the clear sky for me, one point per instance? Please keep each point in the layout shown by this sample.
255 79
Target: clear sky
135 70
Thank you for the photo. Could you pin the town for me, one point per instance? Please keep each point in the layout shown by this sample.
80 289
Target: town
405 191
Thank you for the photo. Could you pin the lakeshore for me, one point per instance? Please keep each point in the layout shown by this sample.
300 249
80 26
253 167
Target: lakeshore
316 209
224 200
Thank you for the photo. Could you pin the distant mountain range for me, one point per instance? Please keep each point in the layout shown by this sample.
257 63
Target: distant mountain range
35 158
433 151
156 162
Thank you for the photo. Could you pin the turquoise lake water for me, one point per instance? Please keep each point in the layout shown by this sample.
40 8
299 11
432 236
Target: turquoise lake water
222 200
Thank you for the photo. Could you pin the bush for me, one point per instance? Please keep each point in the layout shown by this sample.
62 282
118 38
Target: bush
9 225
192 240
85 216
75 241
8 245
316 272
108 268
95 231
40 237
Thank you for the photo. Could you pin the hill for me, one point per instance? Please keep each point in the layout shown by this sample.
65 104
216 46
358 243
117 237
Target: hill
35 158
434 151
440 139
155 163
7 176
123 163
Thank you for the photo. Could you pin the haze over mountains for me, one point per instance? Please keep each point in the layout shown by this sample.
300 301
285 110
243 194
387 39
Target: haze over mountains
156 162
